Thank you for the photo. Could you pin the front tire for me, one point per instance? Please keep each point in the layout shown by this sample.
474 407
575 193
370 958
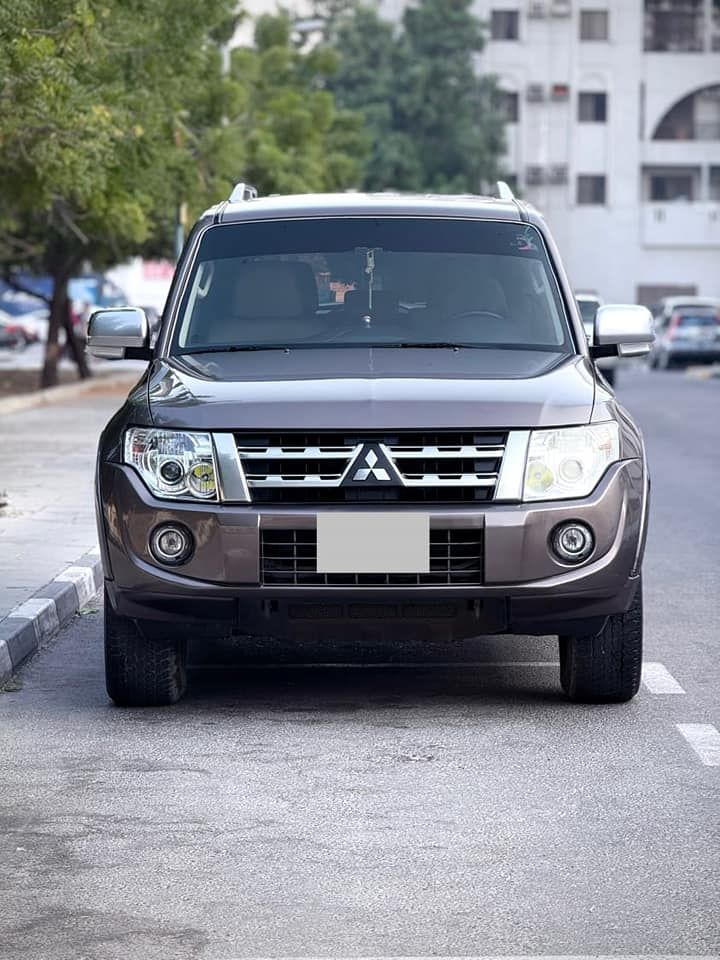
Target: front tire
605 668
141 671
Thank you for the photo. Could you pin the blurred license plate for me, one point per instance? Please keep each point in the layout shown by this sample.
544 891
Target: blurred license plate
373 543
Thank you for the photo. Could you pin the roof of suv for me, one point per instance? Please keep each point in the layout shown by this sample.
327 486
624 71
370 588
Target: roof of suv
370 204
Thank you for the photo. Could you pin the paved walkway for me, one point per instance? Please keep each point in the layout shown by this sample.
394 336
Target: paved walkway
47 459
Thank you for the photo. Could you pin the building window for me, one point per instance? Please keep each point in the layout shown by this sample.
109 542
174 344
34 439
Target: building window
507 103
695 117
714 185
672 186
592 107
593 24
505 24
591 188
674 25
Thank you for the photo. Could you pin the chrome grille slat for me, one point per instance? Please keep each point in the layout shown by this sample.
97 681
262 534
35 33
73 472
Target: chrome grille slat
441 480
444 452
296 453
435 466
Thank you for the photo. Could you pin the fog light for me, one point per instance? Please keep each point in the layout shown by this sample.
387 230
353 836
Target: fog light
573 542
171 544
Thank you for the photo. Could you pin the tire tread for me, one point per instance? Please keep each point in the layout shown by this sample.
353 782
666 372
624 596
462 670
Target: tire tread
141 671
605 668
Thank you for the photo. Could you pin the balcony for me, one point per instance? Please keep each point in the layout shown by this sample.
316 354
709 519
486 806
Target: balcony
681 224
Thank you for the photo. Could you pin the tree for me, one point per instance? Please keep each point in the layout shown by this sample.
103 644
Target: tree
113 113
296 138
91 99
432 118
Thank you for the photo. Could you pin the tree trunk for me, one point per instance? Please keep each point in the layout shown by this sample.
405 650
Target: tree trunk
49 376
61 318
76 346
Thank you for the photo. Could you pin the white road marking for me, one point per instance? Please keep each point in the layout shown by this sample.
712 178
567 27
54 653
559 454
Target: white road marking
658 679
705 741
6 667
42 611
82 578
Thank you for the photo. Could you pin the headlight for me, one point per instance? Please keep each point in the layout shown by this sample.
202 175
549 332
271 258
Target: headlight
568 462
174 465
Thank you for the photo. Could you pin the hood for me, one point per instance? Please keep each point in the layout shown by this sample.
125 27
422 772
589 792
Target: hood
371 388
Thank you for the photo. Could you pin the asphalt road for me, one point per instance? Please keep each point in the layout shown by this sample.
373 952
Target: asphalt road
433 809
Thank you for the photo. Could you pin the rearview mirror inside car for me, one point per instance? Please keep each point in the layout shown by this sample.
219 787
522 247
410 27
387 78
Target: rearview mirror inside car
625 330
119 333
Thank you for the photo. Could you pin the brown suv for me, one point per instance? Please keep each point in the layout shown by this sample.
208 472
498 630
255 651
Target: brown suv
371 413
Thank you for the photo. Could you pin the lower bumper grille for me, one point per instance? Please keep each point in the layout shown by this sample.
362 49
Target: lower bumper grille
289 558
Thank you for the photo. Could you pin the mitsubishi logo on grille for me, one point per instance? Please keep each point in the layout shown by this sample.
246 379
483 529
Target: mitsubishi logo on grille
372 465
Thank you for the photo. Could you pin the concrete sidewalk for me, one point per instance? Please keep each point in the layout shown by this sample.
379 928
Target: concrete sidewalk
47 458
49 566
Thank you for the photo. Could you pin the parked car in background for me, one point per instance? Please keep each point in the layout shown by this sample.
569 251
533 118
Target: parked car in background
664 309
688 335
11 335
31 313
589 303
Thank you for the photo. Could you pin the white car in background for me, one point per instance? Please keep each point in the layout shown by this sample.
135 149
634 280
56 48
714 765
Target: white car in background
588 302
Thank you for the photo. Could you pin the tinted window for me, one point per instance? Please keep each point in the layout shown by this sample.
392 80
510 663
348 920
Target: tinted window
697 320
371 281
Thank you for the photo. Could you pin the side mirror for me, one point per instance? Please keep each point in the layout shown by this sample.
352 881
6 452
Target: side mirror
622 329
119 333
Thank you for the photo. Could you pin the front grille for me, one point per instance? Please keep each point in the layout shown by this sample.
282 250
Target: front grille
289 558
412 467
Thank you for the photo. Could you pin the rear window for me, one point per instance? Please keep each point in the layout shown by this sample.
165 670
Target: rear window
697 320
380 281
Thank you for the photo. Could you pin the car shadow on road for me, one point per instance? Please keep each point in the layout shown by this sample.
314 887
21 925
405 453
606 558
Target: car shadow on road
326 678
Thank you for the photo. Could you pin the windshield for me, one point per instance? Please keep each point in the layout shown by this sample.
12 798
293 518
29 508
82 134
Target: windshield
381 281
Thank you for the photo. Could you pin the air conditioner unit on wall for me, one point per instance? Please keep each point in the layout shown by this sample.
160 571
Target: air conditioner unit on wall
534 176
535 92
536 10
558 174
561 8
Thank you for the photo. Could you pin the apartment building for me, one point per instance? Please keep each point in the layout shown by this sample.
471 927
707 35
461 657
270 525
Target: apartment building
613 111
613 132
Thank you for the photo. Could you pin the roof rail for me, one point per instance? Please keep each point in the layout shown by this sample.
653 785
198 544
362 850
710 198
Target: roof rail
503 191
242 192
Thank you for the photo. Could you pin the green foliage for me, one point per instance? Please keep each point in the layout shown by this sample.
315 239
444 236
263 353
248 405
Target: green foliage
431 117
93 99
113 113
296 138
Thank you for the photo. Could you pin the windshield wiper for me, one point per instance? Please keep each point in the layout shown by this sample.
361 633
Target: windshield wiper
429 345
235 348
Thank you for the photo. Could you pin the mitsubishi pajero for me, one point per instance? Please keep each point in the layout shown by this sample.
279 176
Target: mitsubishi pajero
371 415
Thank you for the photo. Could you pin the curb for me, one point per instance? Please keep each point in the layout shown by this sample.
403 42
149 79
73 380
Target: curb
68 391
40 617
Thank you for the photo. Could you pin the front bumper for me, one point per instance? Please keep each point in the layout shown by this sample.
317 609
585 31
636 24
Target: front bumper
523 589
